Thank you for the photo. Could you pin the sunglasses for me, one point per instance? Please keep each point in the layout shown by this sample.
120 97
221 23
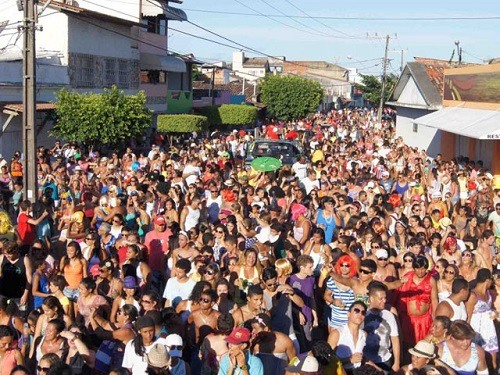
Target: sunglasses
146 301
449 272
42 369
219 231
345 265
273 285
383 259
359 311
206 300
366 272
408 260
468 255
174 347
375 247
210 272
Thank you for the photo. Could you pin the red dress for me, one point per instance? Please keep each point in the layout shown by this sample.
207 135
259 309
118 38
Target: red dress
415 327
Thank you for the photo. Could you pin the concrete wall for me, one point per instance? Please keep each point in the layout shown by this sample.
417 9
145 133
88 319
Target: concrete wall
425 138
86 38
54 36
128 10
152 41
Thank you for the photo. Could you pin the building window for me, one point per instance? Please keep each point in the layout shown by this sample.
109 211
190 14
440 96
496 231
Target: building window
153 76
415 127
85 71
109 72
123 74
155 25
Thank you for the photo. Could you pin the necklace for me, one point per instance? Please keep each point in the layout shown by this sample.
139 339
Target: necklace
328 219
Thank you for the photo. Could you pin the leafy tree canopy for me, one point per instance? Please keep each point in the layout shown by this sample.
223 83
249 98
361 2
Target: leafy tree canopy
372 87
109 118
289 97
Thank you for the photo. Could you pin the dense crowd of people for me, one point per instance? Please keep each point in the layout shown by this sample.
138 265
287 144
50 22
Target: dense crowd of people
366 256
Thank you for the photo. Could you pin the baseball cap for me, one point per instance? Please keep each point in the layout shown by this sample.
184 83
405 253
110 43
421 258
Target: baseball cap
436 194
239 335
160 220
94 270
173 339
382 253
306 364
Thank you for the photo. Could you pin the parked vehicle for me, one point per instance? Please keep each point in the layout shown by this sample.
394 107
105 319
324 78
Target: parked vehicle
286 151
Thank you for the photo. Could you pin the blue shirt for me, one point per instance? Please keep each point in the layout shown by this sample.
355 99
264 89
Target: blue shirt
254 365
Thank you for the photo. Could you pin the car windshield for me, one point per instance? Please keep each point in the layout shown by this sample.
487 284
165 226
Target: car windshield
273 149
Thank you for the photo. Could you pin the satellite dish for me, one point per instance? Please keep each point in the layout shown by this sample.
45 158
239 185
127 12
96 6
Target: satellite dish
3 25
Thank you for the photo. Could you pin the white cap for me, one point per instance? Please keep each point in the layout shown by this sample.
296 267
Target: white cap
370 185
173 339
382 253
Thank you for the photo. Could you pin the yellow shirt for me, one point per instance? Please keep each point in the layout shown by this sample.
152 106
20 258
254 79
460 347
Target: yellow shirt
317 156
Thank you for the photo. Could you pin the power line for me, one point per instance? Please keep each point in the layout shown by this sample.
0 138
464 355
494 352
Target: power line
459 18
249 48
473 56
294 20
272 19
321 23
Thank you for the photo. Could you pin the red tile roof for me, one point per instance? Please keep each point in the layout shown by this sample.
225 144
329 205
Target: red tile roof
435 70
18 107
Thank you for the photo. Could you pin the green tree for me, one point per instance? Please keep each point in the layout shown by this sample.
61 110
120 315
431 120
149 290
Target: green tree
288 97
197 76
110 118
372 87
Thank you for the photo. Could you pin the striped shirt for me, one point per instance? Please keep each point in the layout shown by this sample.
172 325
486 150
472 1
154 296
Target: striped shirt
338 316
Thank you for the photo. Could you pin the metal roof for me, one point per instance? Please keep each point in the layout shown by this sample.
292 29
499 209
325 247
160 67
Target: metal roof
473 123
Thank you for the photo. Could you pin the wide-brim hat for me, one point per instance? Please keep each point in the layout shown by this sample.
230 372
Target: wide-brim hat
158 356
423 349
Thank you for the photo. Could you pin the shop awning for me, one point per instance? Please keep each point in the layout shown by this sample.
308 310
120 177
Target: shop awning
153 8
150 61
473 123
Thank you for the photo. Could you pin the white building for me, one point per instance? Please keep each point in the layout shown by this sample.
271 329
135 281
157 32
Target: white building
418 93
86 46
250 68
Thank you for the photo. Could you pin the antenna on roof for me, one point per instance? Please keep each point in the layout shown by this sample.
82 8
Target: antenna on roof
459 51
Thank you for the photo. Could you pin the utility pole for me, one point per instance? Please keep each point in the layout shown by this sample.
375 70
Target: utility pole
29 100
381 105
212 85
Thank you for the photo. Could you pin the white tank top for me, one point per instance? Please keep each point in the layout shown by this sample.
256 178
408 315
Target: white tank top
459 312
192 218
